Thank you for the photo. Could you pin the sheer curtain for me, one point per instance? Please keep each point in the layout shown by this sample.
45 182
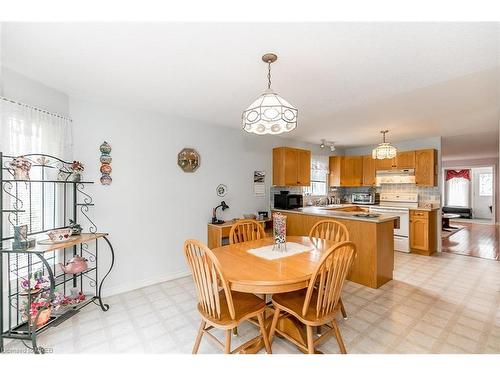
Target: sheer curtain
458 192
27 130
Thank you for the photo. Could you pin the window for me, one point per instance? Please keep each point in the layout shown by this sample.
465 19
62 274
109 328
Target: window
486 184
319 174
458 192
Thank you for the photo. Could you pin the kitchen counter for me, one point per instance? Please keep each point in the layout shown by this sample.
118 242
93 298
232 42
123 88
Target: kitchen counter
373 237
331 212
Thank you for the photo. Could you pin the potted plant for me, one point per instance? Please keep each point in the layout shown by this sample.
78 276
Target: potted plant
38 313
77 168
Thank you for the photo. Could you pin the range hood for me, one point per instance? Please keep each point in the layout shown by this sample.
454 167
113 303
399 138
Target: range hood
395 176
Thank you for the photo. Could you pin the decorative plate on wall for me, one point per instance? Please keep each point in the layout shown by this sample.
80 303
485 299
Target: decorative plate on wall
221 190
188 159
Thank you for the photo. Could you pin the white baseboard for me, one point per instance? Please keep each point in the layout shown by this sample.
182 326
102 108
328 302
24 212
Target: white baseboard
123 288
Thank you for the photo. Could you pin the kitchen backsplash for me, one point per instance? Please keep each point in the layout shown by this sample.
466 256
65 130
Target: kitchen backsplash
425 193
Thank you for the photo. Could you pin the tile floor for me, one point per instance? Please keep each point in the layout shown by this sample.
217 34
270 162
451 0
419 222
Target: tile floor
441 304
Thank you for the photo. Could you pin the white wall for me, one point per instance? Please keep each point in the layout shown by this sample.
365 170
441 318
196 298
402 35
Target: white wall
152 206
22 89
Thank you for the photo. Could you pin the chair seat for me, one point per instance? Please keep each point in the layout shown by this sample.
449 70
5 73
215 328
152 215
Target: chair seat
246 305
293 302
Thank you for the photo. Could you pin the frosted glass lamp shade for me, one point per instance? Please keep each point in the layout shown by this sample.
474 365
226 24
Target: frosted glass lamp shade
384 151
269 114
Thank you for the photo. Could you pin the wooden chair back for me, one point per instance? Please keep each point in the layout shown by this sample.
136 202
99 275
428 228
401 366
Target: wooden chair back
329 230
208 279
246 230
329 277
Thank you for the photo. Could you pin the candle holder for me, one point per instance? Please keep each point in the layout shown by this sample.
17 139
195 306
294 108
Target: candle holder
279 230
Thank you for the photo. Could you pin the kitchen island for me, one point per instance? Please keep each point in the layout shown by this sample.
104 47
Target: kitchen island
373 237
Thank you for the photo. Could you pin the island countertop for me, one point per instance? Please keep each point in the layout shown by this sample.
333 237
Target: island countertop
331 212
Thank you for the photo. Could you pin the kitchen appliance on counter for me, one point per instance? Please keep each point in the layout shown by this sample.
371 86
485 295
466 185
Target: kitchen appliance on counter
398 204
395 176
365 198
286 201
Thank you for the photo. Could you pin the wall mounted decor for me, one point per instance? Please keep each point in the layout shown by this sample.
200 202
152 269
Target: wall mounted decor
105 159
221 190
188 159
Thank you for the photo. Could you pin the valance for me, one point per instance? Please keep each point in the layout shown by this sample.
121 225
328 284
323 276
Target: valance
463 173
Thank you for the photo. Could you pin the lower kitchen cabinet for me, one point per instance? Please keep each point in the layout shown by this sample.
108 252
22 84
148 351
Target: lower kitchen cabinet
423 233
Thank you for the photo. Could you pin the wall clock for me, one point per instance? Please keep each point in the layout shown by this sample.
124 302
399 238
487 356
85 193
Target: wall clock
188 159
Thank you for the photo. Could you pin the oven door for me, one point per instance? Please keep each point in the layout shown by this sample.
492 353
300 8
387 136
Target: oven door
401 234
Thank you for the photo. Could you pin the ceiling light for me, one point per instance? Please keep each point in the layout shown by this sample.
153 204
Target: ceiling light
322 145
384 150
269 113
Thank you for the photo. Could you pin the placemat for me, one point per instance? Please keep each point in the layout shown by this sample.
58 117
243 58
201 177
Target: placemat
292 248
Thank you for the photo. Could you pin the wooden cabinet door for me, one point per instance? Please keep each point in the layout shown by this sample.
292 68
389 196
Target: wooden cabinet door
384 164
291 166
419 234
351 171
334 167
425 167
303 167
405 160
368 170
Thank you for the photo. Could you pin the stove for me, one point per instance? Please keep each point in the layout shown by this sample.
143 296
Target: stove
398 204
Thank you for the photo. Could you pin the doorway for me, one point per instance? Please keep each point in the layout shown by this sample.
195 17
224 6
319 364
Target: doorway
469 214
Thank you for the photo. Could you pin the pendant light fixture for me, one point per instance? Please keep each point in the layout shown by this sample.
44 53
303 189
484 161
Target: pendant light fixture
269 113
384 150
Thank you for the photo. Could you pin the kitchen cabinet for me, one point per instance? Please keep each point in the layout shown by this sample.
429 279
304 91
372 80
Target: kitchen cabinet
384 164
346 170
368 170
423 232
405 160
426 167
291 167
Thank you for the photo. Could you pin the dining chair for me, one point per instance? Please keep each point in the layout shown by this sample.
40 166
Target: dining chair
246 230
334 231
218 305
319 303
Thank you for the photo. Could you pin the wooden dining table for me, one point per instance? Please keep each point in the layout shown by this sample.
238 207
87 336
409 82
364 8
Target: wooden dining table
249 273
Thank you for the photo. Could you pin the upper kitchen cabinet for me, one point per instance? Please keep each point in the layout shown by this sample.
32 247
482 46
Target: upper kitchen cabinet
368 170
291 167
384 164
405 160
426 167
346 170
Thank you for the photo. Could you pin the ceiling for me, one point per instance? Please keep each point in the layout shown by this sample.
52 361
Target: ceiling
470 146
348 80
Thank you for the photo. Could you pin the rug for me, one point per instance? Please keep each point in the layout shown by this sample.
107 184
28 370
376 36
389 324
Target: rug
448 232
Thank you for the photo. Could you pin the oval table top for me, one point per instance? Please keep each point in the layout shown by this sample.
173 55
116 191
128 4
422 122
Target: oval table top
249 273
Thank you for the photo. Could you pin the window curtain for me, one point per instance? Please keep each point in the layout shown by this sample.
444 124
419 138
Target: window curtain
463 173
27 130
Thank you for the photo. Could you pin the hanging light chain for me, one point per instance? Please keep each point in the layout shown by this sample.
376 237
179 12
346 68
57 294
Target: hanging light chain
269 74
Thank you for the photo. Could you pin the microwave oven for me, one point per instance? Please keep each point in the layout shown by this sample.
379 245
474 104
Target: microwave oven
286 201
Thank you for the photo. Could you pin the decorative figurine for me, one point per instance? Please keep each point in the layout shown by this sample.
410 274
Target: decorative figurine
76 228
105 159
21 167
